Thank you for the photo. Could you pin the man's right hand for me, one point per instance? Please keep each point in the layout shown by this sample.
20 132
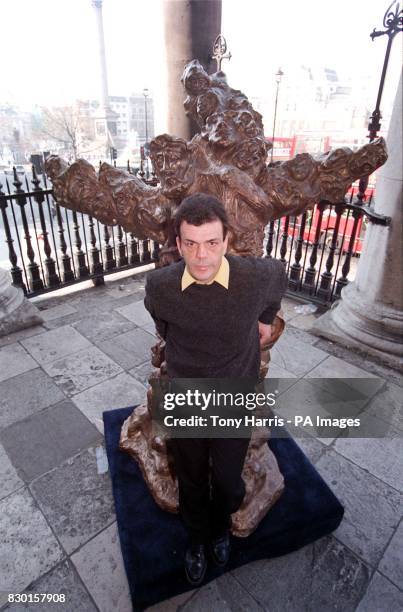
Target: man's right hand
265 332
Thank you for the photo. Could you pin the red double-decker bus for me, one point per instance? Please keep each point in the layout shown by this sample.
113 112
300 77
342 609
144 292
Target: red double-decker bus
327 226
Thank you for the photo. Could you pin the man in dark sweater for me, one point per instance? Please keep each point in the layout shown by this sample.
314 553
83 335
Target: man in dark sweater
215 313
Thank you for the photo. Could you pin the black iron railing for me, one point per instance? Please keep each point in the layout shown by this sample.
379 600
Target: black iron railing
47 247
320 248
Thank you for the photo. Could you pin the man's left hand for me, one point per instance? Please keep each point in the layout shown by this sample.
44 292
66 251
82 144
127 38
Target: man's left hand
264 334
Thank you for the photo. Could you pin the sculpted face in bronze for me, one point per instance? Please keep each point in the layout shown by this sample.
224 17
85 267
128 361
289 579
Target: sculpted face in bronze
54 166
301 166
250 156
336 159
238 101
219 129
367 159
195 79
171 159
246 124
206 104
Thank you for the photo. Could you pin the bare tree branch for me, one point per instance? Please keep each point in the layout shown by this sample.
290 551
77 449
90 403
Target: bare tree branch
64 125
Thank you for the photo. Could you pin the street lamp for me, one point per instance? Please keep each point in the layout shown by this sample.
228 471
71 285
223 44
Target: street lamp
279 74
145 94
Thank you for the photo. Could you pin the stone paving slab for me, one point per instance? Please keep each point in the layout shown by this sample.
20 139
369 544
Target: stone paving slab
9 478
28 547
360 360
129 349
391 564
381 596
81 370
334 367
381 456
138 296
172 605
136 312
276 371
76 499
372 509
123 290
388 405
56 312
26 394
117 392
304 321
312 447
14 360
64 321
20 335
307 399
150 328
285 378
296 356
324 576
142 372
61 579
54 344
100 566
288 308
122 298
300 334
93 303
104 325
225 594
42 441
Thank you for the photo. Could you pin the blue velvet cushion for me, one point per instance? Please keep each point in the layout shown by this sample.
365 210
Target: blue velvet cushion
153 541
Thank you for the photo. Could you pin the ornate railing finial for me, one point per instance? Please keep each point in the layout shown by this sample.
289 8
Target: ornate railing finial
392 21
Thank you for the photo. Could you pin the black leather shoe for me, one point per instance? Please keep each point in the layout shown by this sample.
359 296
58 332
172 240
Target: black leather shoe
195 564
220 549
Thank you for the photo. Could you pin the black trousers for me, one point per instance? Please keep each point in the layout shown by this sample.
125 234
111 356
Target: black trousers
210 483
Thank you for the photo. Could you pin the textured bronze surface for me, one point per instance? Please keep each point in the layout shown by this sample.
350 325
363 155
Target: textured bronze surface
228 160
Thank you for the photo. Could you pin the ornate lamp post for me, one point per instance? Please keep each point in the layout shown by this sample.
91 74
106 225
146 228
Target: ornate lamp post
279 74
393 23
145 94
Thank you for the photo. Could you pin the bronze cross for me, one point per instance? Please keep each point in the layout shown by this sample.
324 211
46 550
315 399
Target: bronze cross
219 50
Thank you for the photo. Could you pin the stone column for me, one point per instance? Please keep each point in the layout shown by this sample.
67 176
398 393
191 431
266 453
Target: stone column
97 4
191 27
16 312
369 315
105 116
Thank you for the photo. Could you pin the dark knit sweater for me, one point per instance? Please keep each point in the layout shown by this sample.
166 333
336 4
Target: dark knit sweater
210 331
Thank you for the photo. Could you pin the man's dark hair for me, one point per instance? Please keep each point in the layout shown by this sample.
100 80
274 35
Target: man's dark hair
198 209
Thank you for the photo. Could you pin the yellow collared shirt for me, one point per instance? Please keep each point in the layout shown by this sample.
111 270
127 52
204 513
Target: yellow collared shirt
222 276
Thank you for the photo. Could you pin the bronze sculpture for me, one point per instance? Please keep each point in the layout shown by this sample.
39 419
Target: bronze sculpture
228 160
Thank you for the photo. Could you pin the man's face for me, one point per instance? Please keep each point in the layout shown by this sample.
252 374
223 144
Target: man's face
202 247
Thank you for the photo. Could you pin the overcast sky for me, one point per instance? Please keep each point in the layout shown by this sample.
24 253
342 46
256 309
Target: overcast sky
49 48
